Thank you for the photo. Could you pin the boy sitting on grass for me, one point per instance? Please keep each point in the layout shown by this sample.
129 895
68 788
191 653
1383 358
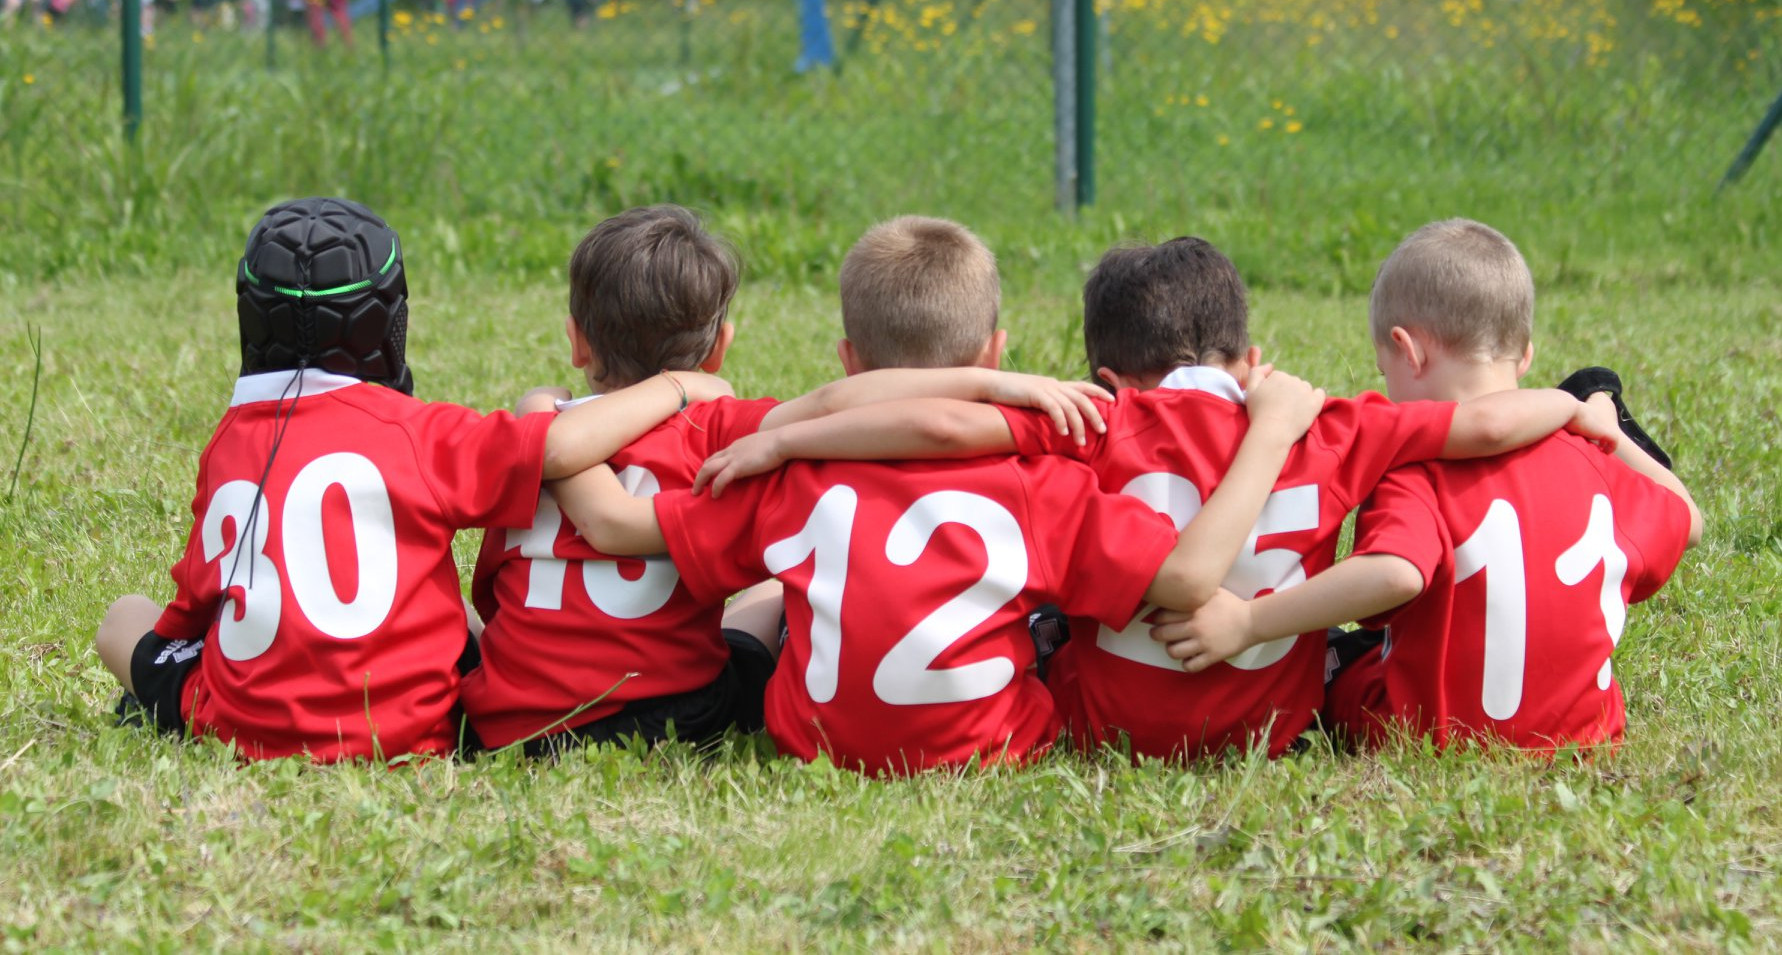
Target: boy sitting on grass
317 607
1168 326
580 646
908 587
1503 584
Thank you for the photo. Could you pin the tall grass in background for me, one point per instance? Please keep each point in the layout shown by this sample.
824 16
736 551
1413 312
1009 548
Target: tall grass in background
1305 137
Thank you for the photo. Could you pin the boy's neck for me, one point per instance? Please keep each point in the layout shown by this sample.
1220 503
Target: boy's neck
1465 380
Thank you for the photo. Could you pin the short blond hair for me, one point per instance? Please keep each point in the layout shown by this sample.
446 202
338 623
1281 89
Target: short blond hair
1461 282
919 293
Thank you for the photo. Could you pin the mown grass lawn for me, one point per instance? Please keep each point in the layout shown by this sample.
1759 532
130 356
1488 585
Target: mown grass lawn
113 839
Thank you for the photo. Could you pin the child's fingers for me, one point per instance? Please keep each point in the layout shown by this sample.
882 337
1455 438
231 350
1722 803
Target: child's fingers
1085 405
711 469
1185 650
1171 632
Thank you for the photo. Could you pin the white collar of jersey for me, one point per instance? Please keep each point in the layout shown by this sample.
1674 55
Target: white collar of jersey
1213 381
564 404
273 385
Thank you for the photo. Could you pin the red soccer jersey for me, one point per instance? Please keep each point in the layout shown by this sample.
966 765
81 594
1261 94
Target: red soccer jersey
1529 561
907 593
566 624
330 611
1170 447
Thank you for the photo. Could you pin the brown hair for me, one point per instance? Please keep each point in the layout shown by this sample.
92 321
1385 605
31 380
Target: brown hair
649 289
1464 284
1149 308
919 293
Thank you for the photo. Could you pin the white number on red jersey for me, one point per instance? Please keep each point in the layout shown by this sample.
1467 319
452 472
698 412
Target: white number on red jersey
1496 548
248 622
607 589
906 675
1176 497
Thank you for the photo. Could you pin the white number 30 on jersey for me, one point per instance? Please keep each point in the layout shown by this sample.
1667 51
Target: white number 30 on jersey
252 599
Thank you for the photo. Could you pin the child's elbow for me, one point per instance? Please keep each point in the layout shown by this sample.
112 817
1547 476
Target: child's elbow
946 431
1404 582
1178 587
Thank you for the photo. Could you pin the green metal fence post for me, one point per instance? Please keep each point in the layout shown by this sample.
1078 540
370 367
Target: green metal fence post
1064 105
271 39
132 19
1086 30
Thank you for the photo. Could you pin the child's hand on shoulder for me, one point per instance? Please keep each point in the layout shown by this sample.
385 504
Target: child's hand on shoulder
1597 421
1070 404
748 456
1281 402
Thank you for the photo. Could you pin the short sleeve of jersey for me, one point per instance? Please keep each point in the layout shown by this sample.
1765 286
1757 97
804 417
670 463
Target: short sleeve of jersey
727 419
1102 550
1401 519
712 542
484 469
1036 435
192 609
1652 519
1371 435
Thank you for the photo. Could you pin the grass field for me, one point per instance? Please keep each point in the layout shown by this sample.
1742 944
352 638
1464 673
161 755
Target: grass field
1601 167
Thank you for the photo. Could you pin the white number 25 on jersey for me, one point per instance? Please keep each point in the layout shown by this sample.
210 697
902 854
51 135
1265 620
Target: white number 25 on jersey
1288 509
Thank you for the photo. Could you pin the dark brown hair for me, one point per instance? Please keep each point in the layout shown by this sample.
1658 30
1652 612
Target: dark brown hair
649 289
1150 308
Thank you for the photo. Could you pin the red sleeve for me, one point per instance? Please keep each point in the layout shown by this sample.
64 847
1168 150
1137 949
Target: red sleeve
1651 519
732 418
1370 435
1100 551
1036 435
482 580
189 614
712 543
1401 520
483 469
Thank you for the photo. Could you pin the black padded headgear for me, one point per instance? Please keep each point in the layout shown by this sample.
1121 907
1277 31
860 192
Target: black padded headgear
321 284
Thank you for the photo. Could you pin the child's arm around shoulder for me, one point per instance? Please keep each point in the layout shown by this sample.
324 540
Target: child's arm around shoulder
589 433
1643 463
1067 403
1506 420
1281 408
919 428
607 516
1355 589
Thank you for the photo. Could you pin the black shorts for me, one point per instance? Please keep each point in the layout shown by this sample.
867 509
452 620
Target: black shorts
158 669
698 716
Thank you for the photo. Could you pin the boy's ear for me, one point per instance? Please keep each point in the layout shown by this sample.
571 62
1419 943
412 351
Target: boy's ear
1527 360
1119 381
580 355
1410 350
850 359
991 356
714 359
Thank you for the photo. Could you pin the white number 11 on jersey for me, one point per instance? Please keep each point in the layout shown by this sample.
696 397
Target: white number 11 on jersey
1496 547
